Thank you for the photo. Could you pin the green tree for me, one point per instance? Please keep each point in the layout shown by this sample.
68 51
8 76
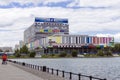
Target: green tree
1 50
63 54
100 53
74 53
117 48
17 53
24 50
108 53
32 54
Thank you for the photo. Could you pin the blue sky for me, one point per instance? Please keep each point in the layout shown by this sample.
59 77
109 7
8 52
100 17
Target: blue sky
90 17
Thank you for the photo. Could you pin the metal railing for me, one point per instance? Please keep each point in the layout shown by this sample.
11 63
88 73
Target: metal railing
69 75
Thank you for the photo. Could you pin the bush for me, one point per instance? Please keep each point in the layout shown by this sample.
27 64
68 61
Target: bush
44 56
62 54
32 54
74 53
17 55
108 53
100 53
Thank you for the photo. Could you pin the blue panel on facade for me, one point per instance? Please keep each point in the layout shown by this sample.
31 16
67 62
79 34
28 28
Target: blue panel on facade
87 40
101 46
46 30
61 30
37 19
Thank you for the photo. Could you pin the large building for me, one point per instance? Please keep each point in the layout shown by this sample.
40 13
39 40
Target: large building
52 35
43 27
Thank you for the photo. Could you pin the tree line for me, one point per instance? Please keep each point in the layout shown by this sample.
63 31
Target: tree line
24 52
107 51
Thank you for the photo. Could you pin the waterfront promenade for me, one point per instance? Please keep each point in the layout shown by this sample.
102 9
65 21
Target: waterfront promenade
16 72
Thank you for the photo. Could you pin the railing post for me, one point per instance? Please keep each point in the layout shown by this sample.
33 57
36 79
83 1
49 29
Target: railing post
23 64
57 72
90 77
70 75
38 67
79 76
52 71
63 73
44 68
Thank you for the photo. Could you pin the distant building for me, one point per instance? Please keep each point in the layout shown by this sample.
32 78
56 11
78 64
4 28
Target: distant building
17 47
6 49
21 44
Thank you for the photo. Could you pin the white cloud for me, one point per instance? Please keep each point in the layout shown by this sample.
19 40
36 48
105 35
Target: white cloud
100 3
74 3
35 2
95 3
16 20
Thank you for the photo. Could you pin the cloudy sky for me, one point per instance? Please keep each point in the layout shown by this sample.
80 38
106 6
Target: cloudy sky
91 17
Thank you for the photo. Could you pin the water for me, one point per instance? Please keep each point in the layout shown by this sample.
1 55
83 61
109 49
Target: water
99 67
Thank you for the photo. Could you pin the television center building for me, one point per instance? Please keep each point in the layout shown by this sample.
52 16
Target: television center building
51 35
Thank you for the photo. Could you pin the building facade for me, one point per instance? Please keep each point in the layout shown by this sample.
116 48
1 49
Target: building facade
43 27
52 35
21 43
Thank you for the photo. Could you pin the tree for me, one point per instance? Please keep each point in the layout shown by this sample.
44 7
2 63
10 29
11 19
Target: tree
1 50
24 50
100 53
63 54
117 48
108 53
74 53
32 54
17 53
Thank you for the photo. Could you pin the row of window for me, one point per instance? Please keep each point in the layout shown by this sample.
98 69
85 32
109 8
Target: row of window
85 40
50 24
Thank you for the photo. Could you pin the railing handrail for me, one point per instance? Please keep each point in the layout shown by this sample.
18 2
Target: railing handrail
43 68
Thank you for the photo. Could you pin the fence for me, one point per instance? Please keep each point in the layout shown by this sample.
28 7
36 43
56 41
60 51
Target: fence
62 73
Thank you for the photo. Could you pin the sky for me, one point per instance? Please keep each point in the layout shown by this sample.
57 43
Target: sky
86 17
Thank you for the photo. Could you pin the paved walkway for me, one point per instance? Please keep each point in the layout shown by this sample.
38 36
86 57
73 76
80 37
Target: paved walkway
9 72
17 72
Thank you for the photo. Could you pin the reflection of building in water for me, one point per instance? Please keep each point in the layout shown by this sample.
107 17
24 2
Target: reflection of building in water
52 36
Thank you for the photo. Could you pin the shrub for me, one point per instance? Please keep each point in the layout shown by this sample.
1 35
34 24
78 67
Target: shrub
32 54
108 53
44 56
74 53
17 55
62 54
100 53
